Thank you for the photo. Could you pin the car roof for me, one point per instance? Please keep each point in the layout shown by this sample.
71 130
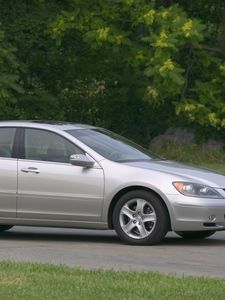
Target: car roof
61 125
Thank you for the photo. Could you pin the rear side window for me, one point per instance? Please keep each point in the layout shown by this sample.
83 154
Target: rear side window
6 141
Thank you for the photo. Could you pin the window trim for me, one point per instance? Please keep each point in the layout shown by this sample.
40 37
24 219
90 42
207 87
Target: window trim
18 150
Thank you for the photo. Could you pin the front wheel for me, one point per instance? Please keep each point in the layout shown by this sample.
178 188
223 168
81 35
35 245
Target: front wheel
195 234
5 227
140 218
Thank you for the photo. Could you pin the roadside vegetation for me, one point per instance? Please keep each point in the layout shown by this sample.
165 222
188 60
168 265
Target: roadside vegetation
36 281
192 154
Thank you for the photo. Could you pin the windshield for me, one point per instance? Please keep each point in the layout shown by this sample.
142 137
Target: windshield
111 145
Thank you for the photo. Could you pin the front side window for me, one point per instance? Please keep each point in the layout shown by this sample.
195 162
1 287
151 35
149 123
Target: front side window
111 145
6 141
48 146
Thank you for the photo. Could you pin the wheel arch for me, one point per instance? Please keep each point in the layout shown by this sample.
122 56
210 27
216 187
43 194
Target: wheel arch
125 190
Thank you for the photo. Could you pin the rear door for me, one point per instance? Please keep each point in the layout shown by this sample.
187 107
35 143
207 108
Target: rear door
8 173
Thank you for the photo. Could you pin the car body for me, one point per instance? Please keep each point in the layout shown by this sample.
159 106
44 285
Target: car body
79 176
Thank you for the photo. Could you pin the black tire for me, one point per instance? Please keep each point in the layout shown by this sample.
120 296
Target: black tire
152 205
5 227
195 234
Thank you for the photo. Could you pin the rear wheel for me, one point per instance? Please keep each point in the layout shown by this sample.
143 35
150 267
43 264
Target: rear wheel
140 218
195 234
5 227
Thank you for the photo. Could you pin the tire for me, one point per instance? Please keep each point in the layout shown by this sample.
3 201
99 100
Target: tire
5 227
195 234
140 218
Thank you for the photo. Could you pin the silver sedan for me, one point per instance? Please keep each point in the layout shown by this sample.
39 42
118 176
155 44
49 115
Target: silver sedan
66 175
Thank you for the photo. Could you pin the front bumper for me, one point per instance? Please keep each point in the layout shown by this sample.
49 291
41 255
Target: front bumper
196 214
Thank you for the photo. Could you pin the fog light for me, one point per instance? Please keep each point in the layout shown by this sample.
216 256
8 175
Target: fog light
212 218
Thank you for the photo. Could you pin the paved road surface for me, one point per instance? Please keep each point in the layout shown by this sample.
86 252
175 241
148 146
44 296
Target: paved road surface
102 249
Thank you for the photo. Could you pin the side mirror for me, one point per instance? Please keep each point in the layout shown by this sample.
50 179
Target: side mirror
81 160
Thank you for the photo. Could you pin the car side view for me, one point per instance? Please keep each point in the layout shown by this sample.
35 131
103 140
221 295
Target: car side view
78 176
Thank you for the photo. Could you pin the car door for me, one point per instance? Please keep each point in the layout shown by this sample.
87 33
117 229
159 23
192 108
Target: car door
50 188
8 173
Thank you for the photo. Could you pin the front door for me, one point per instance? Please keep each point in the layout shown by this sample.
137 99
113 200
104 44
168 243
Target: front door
50 188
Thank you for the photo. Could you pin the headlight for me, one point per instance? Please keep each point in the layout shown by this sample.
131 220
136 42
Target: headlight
196 190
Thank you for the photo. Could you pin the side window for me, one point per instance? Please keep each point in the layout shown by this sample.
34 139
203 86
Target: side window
6 141
48 146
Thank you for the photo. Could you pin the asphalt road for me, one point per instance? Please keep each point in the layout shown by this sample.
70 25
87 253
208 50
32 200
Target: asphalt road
92 249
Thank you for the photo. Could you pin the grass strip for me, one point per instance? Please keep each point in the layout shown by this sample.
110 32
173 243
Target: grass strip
30 281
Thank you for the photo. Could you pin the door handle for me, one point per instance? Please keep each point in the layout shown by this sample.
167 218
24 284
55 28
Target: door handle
30 170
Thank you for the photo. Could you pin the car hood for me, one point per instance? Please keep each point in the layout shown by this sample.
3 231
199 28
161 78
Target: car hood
190 173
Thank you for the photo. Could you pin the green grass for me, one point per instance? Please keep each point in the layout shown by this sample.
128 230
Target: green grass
192 154
27 281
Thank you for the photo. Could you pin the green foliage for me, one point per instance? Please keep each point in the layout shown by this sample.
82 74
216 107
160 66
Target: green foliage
205 103
134 37
9 79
